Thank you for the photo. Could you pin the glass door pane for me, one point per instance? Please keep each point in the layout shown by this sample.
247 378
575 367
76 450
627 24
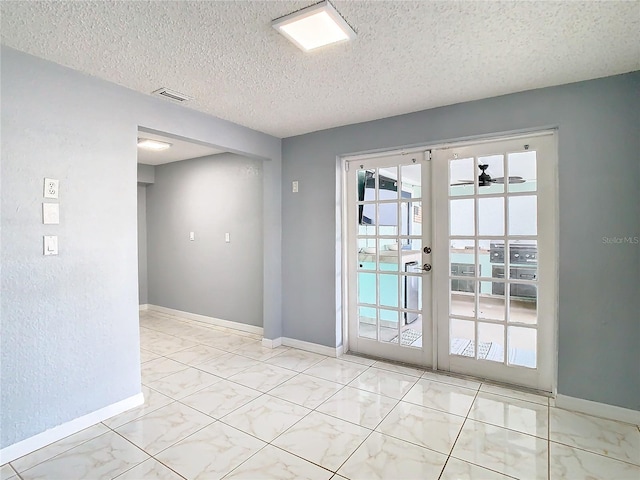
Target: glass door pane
494 317
388 258
486 297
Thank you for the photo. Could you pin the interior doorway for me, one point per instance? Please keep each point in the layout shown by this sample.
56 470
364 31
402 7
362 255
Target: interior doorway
204 228
155 149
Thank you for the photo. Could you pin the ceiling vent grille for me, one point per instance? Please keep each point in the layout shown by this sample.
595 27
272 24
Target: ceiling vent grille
172 95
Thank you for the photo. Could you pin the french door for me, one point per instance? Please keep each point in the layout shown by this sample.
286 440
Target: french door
495 280
451 258
389 258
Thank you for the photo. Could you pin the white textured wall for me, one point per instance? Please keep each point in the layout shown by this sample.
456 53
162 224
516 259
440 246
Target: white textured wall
69 330
69 323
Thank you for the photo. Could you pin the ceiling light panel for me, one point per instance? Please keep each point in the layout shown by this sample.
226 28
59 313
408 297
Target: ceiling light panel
314 27
149 144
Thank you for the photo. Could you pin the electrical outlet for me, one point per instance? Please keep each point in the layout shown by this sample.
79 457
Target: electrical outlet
51 188
294 186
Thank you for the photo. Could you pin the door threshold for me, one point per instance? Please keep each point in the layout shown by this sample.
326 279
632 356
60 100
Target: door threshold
518 388
459 376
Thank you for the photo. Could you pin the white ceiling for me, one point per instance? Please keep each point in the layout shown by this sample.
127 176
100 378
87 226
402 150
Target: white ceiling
409 55
180 150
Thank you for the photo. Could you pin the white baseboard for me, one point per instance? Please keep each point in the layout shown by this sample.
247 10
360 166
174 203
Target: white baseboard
268 343
144 306
313 347
276 342
31 444
210 320
596 409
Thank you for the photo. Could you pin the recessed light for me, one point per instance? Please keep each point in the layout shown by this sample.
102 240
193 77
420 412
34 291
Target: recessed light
314 27
148 144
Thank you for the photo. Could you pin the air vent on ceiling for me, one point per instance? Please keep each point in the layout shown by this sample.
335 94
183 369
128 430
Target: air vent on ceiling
172 95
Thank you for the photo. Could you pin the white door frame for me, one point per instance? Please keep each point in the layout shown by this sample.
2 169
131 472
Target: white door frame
543 377
418 355
551 189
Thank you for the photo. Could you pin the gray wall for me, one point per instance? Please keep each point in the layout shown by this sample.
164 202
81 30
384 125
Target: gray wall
142 245
146 173
69 324
146 176
208 196
599 174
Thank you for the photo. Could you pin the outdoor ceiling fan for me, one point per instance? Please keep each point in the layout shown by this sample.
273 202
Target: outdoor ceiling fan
485 180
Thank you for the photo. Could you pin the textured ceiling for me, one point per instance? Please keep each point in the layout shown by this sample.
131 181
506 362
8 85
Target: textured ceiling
409 55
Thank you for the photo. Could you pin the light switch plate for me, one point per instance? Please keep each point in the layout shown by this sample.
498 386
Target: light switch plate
294 186
51 188
192 236
51 213
51 245
227 237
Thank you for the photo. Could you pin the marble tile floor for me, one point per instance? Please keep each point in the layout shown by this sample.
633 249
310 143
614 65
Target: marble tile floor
219 405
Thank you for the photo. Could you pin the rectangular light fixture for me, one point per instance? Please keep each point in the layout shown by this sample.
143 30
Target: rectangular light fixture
314 27
148 144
